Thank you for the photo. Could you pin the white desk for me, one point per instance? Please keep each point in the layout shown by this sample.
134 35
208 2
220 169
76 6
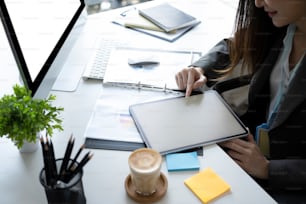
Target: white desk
104 175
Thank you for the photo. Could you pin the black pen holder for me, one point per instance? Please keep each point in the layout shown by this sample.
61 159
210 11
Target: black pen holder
61 192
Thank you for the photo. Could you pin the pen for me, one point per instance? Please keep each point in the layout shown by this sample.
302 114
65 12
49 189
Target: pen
66 158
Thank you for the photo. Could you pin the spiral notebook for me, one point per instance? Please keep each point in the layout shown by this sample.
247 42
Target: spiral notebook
180 123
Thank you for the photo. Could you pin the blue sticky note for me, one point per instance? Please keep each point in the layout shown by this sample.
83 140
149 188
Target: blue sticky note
182 161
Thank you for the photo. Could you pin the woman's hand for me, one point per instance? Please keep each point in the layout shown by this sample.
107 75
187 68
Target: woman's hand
190 78
248 156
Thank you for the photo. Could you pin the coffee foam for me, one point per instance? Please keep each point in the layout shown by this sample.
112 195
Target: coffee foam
145 160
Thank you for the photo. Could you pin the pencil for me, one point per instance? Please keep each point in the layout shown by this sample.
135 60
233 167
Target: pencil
79 167
52 160
66 158
76 157
48 168
46 164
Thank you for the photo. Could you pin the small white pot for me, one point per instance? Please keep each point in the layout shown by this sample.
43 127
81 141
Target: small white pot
29 147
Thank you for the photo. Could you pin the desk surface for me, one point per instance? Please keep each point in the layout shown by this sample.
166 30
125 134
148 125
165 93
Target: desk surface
104 175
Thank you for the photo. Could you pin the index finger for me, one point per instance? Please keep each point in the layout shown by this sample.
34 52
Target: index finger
190 82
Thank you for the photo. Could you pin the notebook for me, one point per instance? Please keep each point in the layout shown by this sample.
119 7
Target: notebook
168 17
131 19
180 123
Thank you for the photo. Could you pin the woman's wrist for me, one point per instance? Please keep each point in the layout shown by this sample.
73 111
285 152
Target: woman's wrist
266 170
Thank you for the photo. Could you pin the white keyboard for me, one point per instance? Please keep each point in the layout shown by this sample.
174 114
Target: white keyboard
97 65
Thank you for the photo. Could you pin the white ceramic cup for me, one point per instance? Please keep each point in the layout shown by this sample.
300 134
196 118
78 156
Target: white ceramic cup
145 167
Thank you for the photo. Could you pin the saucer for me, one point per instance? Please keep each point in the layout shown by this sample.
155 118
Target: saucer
161 189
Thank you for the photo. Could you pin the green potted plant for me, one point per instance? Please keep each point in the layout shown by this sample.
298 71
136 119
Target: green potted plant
22 118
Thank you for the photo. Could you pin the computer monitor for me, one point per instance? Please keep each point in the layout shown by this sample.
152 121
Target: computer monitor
41 35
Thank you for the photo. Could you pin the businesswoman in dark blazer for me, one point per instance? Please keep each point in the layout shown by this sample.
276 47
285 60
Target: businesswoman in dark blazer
269 41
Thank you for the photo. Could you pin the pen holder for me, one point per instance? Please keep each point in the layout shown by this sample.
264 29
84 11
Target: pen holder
61 192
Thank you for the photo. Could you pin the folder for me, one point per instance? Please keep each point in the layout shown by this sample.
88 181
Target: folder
157 76
112 144
180 123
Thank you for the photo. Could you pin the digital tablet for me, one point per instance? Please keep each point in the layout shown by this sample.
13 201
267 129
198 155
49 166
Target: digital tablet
180 123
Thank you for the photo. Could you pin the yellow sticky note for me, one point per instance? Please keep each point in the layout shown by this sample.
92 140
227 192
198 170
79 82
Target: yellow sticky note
207 185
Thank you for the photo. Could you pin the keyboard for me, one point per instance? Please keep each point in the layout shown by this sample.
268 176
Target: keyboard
97 65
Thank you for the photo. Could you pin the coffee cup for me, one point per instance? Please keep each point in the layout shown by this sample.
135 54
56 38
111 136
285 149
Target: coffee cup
145 164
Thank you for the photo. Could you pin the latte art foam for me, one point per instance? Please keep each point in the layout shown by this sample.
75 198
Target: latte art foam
145 161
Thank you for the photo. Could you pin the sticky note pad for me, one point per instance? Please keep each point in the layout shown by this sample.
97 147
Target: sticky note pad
182 161
207 185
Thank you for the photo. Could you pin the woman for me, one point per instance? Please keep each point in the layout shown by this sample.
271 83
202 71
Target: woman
269 41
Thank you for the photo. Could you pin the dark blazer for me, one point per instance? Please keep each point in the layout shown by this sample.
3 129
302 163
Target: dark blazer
287 169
